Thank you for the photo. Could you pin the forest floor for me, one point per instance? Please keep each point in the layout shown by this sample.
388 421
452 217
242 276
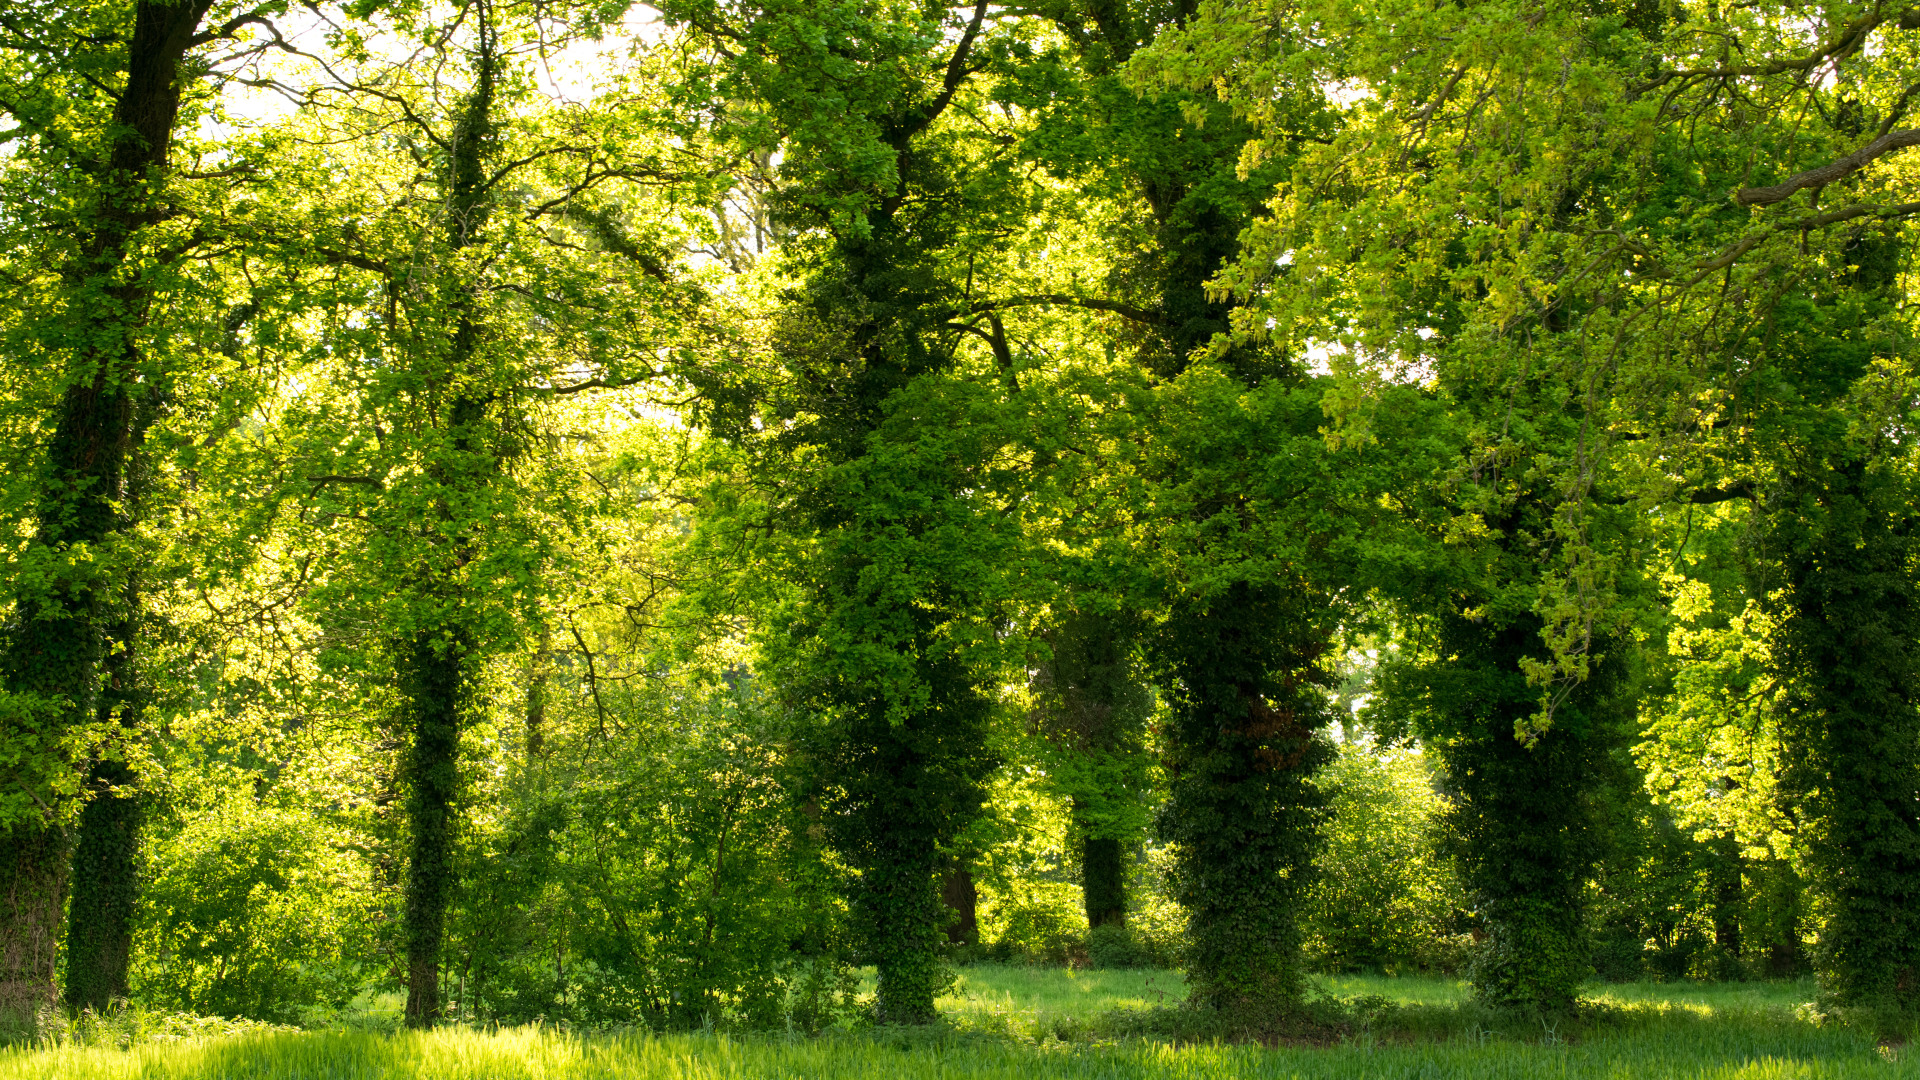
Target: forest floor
1009 1023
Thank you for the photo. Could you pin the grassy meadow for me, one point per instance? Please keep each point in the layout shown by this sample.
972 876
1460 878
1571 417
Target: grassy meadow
1050 1024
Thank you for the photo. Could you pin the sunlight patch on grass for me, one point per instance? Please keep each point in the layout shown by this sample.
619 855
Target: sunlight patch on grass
1006 1023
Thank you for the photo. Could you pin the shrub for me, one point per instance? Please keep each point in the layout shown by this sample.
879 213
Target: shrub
253 911
1041 924
1385 898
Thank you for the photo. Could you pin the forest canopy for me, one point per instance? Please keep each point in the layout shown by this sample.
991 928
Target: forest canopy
610 513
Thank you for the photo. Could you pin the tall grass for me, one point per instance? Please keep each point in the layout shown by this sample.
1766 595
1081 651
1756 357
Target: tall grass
1002 1028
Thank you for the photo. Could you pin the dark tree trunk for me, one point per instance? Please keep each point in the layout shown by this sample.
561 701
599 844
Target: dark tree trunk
435 688
61 638
1729 893
957 891
107 842
438 661
1853 733
33 875
1103 880
1241 810
105 890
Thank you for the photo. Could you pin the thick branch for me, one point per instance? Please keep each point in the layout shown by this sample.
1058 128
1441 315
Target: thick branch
331 479
1827 174
1709 496
600 384
957 70
1817 221
1128 311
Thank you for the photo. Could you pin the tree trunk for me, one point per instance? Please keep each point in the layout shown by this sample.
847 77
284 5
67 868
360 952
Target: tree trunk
1729 893
56 652
1103 878
33 860
536 722
960 896
1853 731
435 691
107 842
105 890
438 659
1241 810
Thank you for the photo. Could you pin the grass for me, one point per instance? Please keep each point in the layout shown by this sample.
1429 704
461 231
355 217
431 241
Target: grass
1005 1024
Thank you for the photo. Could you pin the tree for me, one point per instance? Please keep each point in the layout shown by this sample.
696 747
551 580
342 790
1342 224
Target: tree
97 94
500 274
1091 711
886 193
1522 206
1240 651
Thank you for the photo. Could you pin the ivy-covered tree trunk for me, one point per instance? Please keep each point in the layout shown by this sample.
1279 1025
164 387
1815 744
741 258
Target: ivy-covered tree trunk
433 680
906 787
62 631
1524 816
106 851
1852 731
1103 880
435 665
1243 743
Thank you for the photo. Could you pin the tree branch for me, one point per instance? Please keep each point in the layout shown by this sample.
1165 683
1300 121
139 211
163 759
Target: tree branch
1851 36
1128 311
332 479
1708 496
1827 174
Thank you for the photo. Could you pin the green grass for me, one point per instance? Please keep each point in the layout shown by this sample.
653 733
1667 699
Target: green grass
1003 1024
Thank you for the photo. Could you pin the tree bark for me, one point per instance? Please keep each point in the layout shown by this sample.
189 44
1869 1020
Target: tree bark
61 636
438 660
33 873
957 891
1103 877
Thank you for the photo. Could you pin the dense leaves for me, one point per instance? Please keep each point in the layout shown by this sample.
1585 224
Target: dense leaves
608 514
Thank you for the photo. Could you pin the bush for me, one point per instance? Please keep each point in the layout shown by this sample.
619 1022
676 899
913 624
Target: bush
253 911
1120 947
1042 925
666 871
1385 899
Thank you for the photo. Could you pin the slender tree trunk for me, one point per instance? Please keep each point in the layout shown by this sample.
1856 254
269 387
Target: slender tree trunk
438 661
1729 893
536 723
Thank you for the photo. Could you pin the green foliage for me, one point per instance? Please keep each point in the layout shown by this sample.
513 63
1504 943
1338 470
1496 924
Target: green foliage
254 910
1384 899
664 870
598 522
